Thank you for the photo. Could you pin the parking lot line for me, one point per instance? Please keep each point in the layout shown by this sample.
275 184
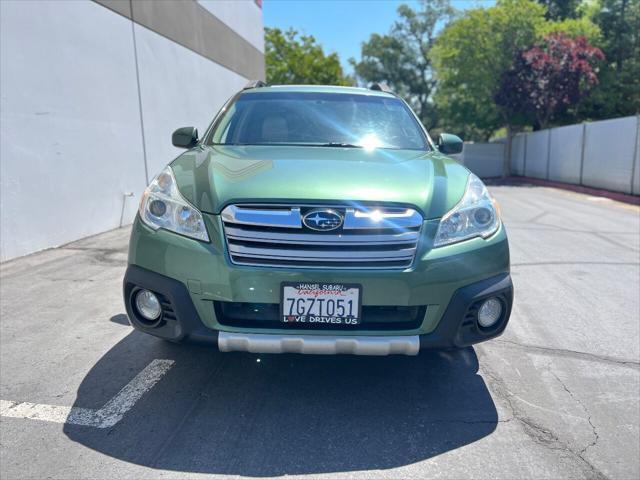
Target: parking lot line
107 416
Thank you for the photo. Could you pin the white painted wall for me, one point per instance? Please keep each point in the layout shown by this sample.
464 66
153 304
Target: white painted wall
179 88
71 137
71 141
242 16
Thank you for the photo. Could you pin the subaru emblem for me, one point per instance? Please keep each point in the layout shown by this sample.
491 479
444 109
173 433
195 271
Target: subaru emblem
322 219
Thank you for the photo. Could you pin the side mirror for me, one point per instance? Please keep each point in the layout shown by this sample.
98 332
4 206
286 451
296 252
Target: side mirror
449 144
185 137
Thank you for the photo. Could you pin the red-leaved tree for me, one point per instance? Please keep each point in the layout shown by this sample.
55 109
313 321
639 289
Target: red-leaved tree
548 78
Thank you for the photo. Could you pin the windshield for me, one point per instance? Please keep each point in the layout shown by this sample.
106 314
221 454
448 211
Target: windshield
319 119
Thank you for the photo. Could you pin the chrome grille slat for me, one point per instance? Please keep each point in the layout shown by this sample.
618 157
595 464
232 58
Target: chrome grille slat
237 233
331 259
310 264
274 235
402 219
326 254
365 265
276 217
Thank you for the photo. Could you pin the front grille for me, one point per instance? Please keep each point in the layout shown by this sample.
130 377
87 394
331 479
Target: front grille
280 236
267 315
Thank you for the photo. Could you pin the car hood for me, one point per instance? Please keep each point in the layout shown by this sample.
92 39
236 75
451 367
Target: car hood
213 177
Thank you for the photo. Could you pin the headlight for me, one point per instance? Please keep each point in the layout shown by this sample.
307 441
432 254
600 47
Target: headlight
163 206
474 216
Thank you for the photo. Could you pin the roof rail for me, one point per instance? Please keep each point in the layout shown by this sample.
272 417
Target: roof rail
380 87
255 84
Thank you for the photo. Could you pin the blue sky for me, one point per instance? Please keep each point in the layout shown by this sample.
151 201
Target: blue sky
341 25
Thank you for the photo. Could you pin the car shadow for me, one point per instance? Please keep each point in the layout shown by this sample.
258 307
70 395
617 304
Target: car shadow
120 319
271 415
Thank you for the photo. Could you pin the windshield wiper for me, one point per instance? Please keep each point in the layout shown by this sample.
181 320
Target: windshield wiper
281 144
340 144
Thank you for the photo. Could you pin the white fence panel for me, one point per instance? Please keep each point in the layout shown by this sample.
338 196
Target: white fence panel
609 154
635 189
537 154
565 153
518 144
484 159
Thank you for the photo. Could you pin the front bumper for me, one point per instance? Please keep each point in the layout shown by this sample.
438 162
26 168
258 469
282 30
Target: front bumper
193 278
456 328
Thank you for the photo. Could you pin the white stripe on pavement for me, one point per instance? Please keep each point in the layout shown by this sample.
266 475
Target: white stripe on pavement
107 416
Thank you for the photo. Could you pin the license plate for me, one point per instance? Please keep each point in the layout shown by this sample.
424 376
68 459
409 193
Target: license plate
327 304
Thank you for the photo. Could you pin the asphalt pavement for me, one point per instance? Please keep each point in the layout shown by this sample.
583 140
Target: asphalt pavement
557 396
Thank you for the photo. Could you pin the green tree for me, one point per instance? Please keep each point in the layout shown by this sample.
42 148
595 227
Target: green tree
470 56
618 92
561 9
573 27
402 58
299 60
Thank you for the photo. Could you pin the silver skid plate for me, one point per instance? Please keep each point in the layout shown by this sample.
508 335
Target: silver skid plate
318 344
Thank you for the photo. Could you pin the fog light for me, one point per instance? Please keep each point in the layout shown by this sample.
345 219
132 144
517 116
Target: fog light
489 312
148 304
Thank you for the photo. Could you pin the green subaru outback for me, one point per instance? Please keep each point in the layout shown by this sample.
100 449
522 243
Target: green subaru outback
313 219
